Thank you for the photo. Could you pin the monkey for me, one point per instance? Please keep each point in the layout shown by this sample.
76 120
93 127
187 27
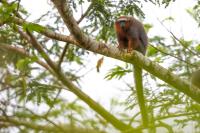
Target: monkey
195 80
132 36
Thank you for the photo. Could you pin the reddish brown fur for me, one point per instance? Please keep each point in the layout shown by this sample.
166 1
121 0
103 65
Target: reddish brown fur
132 36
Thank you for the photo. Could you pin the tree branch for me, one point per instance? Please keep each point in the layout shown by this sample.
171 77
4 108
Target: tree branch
176 115
166 53
9 122
63 55
86 13
22 52
177 39
27 124
168 127
67 44
47 32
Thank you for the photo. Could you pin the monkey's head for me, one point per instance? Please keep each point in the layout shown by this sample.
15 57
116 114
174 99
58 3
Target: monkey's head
123 21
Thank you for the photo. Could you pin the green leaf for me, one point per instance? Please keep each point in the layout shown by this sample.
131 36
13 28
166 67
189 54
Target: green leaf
147 27
170 18
117 72
6 10
30 96
185 43
23 64
33 27
197 48
151 51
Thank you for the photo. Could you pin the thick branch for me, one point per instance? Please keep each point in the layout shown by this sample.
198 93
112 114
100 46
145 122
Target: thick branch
133 58
47 32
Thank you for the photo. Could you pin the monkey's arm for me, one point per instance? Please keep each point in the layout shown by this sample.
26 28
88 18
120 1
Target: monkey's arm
133 44
122 43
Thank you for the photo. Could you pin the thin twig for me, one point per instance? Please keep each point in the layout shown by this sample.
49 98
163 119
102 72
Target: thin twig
22 52
18 5
172 55
85 14
177 39
176 115
63 55
168 127
44 117
54 101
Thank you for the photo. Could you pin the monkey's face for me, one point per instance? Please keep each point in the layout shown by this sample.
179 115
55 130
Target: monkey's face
122 22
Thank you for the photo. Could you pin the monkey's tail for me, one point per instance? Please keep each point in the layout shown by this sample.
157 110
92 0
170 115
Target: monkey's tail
140 94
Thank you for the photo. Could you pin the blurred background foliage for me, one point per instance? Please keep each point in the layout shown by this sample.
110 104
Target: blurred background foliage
31 93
